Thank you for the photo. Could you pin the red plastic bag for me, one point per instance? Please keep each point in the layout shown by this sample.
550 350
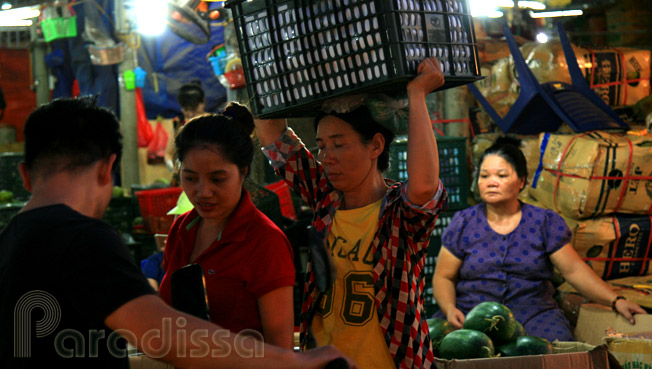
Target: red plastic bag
157 145
145 132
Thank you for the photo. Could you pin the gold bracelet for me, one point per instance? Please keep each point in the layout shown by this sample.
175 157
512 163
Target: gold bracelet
613 303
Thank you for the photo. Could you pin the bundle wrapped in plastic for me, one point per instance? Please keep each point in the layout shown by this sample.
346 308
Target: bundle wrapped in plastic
392 112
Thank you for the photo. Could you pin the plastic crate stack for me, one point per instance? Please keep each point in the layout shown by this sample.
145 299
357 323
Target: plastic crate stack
121 212
297 53
431 259
154 206
10 178
453 173
452 167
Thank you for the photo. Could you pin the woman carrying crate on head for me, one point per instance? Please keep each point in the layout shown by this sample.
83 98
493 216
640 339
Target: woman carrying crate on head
246 259
375 231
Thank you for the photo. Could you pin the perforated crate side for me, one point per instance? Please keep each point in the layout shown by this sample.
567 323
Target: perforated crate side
298 53
121 212
154 205
453 171
431 259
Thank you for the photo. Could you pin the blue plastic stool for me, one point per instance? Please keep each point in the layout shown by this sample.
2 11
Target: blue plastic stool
543 107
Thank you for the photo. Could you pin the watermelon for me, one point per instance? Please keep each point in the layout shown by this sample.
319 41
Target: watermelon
518 332
466 344
438 329
493 319
526 345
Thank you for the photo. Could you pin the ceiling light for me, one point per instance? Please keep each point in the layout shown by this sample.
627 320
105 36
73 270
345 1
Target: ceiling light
150 16
483 8
524 4
5 6
542 38
18 17
560 13
488 8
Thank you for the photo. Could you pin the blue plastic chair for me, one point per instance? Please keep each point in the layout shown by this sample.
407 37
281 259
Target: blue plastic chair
543 107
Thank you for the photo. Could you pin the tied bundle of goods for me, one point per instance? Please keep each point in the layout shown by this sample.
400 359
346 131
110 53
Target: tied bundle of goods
619 76
615 246
593 174
490 330
498 87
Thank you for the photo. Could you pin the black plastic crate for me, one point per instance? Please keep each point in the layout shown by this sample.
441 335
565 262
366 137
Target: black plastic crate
266 201
431 259
7 212
10 178
298 53
453 170
121 212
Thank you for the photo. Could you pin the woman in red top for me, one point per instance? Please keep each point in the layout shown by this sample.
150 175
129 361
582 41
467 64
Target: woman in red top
247 261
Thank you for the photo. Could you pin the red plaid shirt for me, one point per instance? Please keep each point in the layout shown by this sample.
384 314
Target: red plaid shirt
400 248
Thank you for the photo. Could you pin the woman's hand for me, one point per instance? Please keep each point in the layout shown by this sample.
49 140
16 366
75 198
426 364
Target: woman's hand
429 78
627 309
456 318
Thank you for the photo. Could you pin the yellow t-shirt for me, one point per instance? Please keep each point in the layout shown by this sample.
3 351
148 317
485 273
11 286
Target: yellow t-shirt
347 317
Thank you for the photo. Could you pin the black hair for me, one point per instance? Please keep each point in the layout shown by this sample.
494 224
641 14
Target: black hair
508 148
230 131
364 124
191 95
70 134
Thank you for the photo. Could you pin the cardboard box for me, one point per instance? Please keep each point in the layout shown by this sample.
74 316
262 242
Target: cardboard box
615 246
595 320
589 175
567 355
635 289
632 351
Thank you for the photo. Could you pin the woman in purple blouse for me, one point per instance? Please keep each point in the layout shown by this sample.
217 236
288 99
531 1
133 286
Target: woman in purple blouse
504 250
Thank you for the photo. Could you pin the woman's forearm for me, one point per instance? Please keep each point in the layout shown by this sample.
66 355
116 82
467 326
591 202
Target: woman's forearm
422 154
581 276
444 292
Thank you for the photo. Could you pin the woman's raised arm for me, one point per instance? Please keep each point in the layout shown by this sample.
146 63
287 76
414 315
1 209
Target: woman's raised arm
269 130
422 154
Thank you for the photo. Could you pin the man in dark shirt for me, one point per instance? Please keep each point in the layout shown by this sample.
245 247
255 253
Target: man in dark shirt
69 292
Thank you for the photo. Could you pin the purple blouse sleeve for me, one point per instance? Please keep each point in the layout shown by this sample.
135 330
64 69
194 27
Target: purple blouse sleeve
557 232
451 239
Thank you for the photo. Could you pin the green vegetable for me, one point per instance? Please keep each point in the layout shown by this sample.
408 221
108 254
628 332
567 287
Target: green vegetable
466 344
438 328
118 191
493 319
6 196
526 345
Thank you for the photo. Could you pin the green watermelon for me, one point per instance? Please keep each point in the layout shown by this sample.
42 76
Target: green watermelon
526 345
438 329
493 319
466 344
518 332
